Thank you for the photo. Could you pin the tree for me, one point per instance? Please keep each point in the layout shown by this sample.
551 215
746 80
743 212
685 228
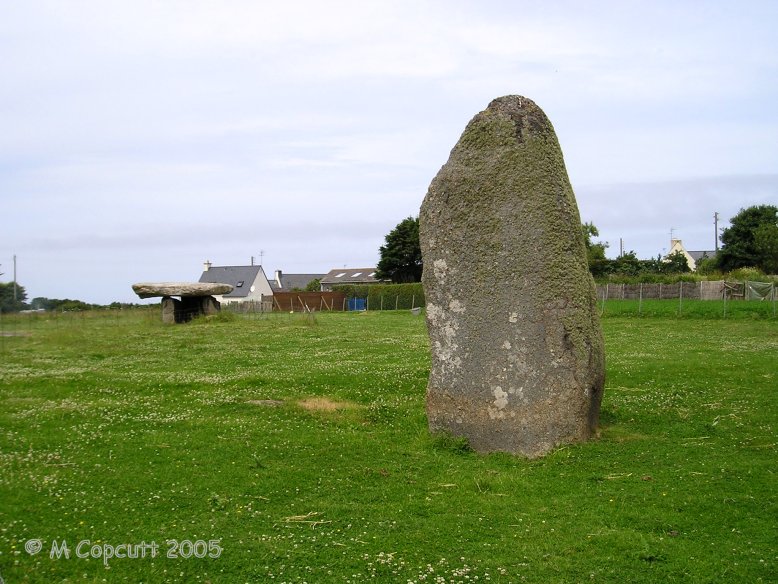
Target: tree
706 265
401 255
314 285
7 301
676 263
60 304
627 264
749 241
595 251
766 245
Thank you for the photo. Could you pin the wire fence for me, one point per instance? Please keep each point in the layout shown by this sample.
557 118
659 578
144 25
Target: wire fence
326 302
703 290
717 299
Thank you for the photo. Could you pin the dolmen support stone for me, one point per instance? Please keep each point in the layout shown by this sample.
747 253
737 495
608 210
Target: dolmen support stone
196 298
518 359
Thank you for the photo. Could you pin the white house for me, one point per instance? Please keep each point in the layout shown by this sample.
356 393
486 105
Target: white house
692 257
249 282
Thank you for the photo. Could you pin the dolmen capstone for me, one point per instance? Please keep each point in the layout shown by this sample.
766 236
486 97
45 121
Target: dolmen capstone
196 298
518 359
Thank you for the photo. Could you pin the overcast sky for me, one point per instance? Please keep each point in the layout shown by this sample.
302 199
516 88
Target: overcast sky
140 138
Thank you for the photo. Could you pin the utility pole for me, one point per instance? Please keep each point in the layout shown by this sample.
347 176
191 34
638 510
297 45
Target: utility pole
716 229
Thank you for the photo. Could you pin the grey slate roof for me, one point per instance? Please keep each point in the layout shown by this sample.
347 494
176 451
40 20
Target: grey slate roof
241 278
291 281
351 276
698 255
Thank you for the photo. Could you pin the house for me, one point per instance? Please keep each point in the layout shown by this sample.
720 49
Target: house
249 282
692 257
701 255
290 282
349 276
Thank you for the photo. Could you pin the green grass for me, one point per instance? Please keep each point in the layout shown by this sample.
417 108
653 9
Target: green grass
684 308
119 430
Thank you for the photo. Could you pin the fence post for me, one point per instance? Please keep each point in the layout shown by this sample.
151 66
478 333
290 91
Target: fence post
640 299
382 302
413 302
604 296
396 301
680 298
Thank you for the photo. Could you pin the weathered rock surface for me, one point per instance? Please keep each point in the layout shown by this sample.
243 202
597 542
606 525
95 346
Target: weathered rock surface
517 350
170 308
183 289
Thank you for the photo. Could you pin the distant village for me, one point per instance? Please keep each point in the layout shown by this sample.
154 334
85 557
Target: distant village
252 284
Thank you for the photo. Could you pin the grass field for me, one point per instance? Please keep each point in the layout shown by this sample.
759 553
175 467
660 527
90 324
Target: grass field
295 449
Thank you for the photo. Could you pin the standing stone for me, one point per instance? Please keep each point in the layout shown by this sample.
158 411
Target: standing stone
169 309
209 306
517 351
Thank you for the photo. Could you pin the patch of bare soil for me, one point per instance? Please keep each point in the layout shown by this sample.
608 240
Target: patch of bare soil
325 404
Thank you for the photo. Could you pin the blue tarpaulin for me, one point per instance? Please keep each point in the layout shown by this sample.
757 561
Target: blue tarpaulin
356 303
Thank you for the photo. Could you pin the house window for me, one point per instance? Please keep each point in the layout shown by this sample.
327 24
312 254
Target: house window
372 275
341 275
239 284
357 275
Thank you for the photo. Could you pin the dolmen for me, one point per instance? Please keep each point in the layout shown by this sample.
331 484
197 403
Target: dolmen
196 298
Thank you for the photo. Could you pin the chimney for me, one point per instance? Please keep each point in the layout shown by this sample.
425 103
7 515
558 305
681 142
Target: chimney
278 278
206 265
